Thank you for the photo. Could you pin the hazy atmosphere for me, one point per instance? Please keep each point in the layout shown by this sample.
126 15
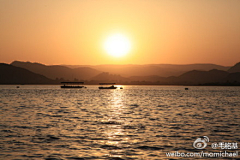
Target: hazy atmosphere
95 32
119 79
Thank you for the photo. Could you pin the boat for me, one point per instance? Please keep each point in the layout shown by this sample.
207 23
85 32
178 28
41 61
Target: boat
109 87
72 85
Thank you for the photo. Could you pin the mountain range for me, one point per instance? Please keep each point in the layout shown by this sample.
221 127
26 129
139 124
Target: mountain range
58 72
163 70
192 74
10 74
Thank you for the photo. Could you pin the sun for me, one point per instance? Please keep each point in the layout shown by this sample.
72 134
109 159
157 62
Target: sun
117 45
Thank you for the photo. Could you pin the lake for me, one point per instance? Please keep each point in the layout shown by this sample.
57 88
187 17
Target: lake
137 122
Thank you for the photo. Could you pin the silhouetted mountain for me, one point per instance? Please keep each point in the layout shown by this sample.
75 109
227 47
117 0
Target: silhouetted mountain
14 75
200 77
58 72
233 77
106 77
144 74
235 68
152 78
162 70
194 77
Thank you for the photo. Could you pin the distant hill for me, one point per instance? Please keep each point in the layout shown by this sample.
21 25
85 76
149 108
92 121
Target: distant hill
162 70
196 74
201 77
14 75
58 72
152 78
233 77
235 68
193 77
106 77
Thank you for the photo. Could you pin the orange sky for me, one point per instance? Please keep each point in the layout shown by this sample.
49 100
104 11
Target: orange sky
161 31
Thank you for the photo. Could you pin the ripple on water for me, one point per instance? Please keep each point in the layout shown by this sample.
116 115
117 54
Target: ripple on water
142 122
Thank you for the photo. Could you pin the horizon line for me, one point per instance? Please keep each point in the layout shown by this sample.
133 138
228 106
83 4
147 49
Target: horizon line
207 63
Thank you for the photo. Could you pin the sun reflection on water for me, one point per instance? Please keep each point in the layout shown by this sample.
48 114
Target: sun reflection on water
117 137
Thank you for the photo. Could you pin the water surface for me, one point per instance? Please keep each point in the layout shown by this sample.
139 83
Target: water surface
138 122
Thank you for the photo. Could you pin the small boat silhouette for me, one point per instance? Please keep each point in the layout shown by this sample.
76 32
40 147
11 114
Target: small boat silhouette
109 87
72 85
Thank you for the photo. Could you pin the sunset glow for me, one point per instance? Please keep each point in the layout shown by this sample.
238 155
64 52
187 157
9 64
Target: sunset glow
119 79
120 32
117 45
